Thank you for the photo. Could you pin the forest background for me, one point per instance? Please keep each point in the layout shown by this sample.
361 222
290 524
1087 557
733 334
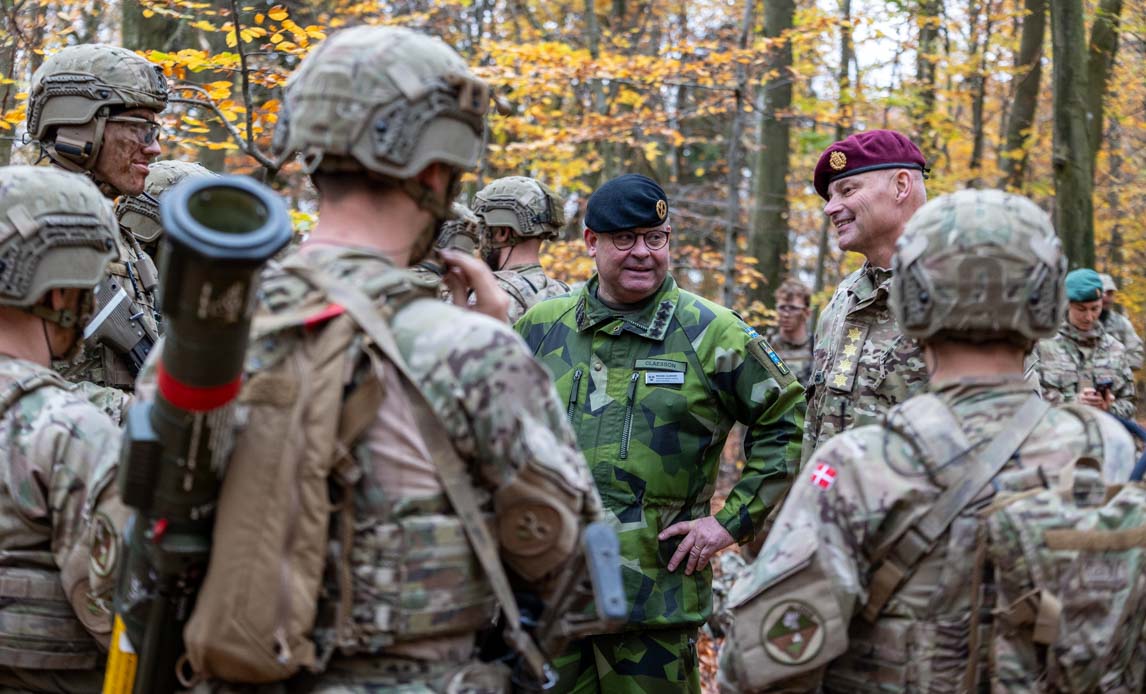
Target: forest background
727 103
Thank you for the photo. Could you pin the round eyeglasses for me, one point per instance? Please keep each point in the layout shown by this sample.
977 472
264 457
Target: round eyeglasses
654 240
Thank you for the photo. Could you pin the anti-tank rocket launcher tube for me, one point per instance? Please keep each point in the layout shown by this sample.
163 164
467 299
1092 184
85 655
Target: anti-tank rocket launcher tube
219 232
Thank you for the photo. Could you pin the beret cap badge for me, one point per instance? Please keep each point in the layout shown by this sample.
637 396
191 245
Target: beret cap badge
662 208
838 161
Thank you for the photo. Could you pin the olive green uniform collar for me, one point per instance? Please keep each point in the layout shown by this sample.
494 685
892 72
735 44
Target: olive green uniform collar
650 321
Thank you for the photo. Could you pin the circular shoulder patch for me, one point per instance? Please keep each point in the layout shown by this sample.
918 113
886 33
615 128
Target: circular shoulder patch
105 546
792 633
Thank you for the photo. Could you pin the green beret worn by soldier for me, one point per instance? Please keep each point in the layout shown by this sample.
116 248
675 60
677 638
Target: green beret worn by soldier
1119 325
60 514
517 215
385 121
1082 362
92 109
862 363
867 585
139 214
654 378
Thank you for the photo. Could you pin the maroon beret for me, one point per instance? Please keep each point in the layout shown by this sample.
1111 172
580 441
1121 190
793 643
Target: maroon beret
870 150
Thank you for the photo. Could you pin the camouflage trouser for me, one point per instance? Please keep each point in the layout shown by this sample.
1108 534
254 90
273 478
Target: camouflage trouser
635 662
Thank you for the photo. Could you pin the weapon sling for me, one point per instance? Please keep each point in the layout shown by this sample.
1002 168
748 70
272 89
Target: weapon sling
454 475
918 539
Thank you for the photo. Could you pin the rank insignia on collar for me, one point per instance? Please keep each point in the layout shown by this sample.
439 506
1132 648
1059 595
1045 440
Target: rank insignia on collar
793 633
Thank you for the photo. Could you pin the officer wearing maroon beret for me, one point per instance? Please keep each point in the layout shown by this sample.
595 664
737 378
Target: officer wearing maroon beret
862 364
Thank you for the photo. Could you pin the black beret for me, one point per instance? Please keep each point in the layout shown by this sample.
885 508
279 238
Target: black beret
627 202
866 151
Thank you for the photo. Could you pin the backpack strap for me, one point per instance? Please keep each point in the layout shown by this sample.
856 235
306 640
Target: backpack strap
15 389
919 538
452 470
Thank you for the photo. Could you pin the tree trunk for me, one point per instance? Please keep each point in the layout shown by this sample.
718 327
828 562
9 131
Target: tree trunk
1073 173
1026 96
732 220
8 70
843 124
979 90
1100 61
926 55
770 224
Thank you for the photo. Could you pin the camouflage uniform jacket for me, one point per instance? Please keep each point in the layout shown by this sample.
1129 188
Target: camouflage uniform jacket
1072 360
652 397
862 365
418 589
812 577
99 363
527 285
1120 327
60 517
798 357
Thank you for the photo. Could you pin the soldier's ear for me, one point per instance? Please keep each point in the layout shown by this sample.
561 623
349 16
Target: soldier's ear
591 240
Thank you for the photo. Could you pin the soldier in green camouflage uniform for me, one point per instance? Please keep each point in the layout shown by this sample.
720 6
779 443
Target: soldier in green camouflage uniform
1074 361
418 594
60 513
517 215
862 363
139 214
654 378
860 588
1119 325
92 108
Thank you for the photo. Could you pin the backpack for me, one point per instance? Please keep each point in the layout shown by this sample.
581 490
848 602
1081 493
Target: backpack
254 619
1068 567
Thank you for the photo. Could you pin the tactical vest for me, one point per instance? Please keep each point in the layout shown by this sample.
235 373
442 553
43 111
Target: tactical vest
528 286
895 646
38 627
134 273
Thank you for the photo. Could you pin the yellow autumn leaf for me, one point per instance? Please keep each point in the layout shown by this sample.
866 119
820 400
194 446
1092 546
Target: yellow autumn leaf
276 38
204 25
259 17
148 13
277 13
231 40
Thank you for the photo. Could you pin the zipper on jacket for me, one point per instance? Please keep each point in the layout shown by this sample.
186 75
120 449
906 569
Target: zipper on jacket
628 431
573 394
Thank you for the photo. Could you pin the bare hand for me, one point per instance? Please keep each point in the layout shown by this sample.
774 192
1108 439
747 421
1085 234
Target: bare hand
704 537
465 274
1090 396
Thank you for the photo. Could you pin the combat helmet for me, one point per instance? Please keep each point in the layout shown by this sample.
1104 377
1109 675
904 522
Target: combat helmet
75 91
386 100
56 231
527 206
139 214
979 265
463 232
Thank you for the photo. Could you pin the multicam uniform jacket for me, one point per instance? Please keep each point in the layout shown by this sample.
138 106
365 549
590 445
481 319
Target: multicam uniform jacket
419 593
527 285
795 612
652 396
1072 360
862 364
99 363
60 520
1120 327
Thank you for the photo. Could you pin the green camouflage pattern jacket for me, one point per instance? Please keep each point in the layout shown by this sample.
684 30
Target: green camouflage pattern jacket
1123 330
527 285
798 357
1072 360
60 520
795 612
652 396
862 365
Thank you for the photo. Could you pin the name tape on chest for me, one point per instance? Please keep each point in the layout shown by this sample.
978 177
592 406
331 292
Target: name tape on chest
660 378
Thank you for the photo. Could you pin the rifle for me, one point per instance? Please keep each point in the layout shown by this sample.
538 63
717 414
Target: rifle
219 232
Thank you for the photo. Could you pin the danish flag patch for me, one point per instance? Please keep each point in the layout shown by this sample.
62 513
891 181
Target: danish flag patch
824 476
